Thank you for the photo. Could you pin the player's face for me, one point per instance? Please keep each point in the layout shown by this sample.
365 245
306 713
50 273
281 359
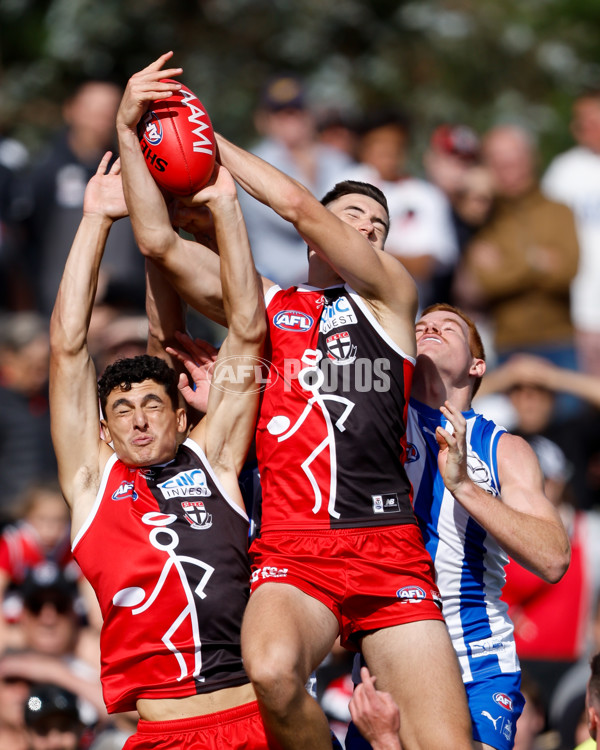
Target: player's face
142 424
364 214
444 337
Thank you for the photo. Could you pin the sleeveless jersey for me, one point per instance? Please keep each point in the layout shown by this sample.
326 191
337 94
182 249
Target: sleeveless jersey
331 428
165 550
469 563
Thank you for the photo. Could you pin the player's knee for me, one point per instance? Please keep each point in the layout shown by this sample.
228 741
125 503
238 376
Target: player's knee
276 679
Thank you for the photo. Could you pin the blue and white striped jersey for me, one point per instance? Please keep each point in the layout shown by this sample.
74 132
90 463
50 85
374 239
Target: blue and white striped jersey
469 563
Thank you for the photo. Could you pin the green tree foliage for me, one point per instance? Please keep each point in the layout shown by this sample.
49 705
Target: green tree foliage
475 61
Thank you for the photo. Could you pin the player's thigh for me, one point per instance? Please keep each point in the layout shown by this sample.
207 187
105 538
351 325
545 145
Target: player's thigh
417 664
288 628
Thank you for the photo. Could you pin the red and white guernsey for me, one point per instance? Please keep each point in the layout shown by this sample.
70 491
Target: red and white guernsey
331 429
165 550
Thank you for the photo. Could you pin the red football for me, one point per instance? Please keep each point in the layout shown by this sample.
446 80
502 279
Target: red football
177 139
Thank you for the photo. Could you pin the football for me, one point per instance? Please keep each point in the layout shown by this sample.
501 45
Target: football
178 142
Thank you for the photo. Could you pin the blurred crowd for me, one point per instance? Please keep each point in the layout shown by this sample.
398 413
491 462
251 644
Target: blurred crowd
476 220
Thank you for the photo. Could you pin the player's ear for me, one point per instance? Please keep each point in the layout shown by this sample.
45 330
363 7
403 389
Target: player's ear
593 721
478 367
181 417
104 431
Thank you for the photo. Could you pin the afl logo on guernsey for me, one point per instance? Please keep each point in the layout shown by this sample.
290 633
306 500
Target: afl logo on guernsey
292 320
503 700
153 131
411 594
412 453
196 515
125 491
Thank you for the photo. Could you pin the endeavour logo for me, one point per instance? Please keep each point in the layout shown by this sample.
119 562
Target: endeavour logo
185 484
196 514
411 594
153 131
336 314
292 320
503 700
125 491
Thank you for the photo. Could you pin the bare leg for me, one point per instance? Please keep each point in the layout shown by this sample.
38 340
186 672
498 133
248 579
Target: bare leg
285 636
417 664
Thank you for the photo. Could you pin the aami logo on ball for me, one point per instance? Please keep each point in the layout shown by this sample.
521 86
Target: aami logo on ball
412 594
153 131
503 700
292 320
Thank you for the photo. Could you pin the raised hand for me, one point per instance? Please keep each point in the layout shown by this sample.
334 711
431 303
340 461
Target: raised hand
198 357
452 458
144 87
104 192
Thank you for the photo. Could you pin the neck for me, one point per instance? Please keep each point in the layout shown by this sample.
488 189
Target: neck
321 274
431 388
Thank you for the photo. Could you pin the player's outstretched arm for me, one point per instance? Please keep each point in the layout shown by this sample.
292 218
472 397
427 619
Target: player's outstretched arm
375 275
73 393
150 218
529 369
229 425
522 520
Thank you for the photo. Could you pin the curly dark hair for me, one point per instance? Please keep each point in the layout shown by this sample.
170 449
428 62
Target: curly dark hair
124 372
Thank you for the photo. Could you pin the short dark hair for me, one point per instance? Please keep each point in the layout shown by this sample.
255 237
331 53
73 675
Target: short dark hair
124 372
352 187
475 342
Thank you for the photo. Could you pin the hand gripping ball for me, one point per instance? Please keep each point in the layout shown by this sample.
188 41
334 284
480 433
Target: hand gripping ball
178 142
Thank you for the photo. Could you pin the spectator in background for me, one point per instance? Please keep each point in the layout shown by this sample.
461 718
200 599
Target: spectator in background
574 178
41 535
592 705
288 131
452 162
14 690
520 264
52 718
567 704
53 191
337 127
15 292
421 233
554 623
26 452
532 721
530 386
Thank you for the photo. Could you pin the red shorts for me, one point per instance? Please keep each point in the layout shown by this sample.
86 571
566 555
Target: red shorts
369 578
239 728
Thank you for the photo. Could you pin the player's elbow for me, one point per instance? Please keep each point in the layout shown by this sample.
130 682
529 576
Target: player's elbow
154 243
557 561
559 565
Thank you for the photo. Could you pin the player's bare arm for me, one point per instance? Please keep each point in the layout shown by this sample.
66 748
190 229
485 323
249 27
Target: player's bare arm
152 224
80 452
349 235
522 519
228 427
